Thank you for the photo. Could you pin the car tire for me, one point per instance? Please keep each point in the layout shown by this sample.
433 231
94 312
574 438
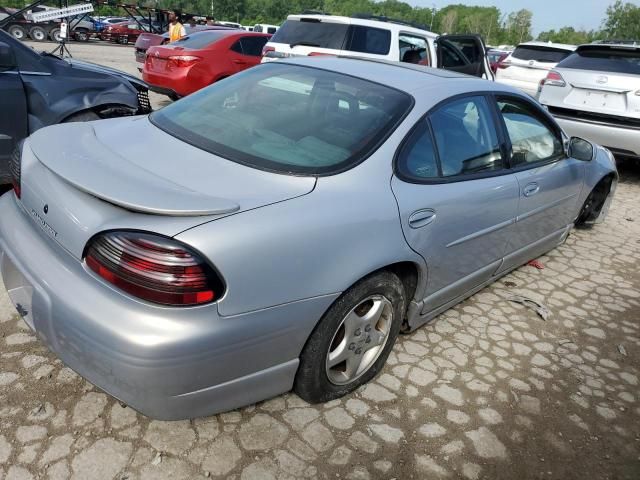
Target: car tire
81 35
38 34
594 203
358 331
17 32
54 34
86 116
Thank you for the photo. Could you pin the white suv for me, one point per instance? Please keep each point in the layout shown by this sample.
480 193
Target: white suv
529 64
379 38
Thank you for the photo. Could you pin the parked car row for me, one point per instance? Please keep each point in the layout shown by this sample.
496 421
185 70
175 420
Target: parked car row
204 57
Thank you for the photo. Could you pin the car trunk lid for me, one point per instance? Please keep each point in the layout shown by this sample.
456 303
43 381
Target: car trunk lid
80 179
531 63
602 92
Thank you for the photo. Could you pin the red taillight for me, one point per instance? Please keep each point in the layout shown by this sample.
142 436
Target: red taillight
153 268
15 169
266 50
554 79
183 60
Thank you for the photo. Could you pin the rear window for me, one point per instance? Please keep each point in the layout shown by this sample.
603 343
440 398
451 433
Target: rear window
197 40
605 60
312 33
540 54
369 40
287 118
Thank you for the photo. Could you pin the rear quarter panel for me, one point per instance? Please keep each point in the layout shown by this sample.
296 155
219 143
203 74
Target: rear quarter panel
318 244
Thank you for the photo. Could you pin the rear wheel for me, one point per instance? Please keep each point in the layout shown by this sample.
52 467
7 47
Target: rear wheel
54 34
38 34
81 35
351 343
17 32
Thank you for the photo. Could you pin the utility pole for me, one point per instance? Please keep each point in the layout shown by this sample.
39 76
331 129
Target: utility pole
433 15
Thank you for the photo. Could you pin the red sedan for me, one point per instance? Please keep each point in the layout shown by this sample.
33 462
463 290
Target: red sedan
200 59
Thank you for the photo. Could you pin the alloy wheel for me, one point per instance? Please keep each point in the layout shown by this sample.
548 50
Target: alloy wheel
359 340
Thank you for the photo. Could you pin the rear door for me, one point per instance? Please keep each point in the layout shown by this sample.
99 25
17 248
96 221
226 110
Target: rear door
464 54
239 60
252 46
456 197
13 120
549 182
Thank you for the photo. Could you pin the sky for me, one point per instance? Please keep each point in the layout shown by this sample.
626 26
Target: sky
547 14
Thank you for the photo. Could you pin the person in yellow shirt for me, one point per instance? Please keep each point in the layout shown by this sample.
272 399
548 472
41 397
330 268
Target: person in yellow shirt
176 29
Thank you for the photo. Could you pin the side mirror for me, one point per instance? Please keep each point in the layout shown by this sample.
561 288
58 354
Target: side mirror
7 57
580 149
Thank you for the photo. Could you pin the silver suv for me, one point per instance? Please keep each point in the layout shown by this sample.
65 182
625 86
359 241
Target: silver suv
595 94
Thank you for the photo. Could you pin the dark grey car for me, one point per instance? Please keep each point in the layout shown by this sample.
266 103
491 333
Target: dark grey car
37 90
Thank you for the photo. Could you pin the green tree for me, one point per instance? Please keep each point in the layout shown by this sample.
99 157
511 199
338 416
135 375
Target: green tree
570 35
623 21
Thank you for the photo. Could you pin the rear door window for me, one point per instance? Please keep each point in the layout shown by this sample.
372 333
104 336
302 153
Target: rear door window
417 159
369 40
253 45
413 49
312 33
615 60
466 137
540 54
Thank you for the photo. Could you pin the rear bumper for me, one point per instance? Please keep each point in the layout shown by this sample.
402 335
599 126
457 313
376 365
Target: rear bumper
166 363
172 87
164 91
621 141
530 88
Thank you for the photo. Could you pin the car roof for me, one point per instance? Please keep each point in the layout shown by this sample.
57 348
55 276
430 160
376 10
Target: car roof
389 25
406 77
560 46
227 32
603 46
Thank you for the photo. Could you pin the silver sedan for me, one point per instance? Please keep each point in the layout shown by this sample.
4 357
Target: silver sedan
278 229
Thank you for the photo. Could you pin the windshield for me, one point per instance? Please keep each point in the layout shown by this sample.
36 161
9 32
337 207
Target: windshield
287 118
615 60
540 54
312 33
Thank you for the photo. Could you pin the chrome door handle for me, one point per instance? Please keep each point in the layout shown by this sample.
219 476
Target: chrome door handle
421 218
531 189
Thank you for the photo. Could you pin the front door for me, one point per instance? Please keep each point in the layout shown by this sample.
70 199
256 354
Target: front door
549 182
457 200
464 54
